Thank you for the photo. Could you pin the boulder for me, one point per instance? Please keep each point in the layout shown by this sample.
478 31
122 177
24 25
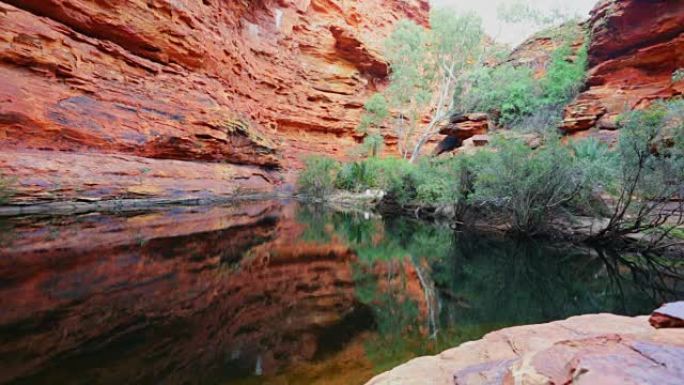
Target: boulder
466 126
670 315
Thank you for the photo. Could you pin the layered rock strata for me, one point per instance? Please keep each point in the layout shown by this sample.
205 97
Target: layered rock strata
635 48
235 83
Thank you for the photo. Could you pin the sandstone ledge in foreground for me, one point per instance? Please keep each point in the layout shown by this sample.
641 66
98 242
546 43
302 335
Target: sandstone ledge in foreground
589 349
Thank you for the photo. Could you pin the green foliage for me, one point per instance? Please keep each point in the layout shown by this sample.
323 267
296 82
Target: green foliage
387 174
409 90
356 177
511 91
678 75
599 163
372 144
526 188
375 114
514 95
423 64
564 78
318 177
653 166
523 186
438 181
651 172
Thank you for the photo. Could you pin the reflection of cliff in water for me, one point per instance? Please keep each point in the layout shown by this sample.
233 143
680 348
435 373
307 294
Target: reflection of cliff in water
206 295
464 285
179 295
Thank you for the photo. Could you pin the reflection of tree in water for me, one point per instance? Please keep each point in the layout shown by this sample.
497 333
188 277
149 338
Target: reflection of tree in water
657 277
472 284
6 233
504 282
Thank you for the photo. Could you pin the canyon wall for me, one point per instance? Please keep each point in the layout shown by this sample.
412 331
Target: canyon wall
131 98
201 98
635 48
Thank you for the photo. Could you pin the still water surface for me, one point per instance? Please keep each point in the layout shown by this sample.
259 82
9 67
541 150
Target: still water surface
278 293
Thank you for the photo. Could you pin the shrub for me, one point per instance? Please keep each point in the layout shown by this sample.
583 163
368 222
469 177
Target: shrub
510 91
375 114
438 181
356 177
318 177
389 174
513 94
599 163
600 167
651 171
564 77
525 187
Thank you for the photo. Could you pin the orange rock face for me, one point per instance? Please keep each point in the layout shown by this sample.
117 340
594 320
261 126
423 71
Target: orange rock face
466 126
636 46
245 83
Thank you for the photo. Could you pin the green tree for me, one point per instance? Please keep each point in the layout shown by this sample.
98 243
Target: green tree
515 98
564 77
375 114
425 66
651 173
520 11
506 91
318 177
526 187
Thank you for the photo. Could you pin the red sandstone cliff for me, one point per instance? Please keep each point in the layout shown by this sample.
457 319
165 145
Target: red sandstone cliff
635 47
125 98
133 98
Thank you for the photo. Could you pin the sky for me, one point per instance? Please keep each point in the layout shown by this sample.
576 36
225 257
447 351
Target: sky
513 33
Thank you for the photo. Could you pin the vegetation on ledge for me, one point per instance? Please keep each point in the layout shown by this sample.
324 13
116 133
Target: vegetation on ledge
630 186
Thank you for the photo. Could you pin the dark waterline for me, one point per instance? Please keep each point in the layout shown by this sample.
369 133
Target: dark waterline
280 293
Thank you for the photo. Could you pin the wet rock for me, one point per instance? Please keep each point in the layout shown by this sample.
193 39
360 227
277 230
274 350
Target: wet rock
670 315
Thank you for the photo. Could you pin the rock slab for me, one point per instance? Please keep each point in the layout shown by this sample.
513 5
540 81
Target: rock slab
670 315
583 350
